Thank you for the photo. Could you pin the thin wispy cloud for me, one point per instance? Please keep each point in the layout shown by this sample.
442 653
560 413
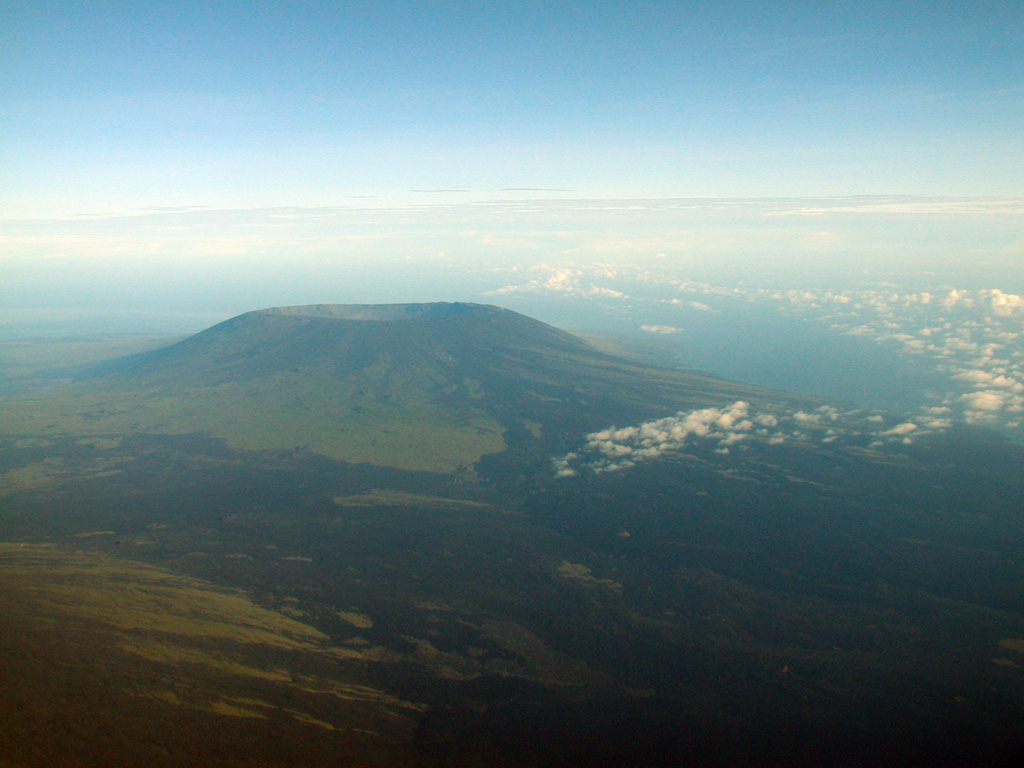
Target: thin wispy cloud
983 207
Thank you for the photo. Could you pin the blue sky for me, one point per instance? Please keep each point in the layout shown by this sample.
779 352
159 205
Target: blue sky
212 157
116 106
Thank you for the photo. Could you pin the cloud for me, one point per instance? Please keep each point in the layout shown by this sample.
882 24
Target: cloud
907 205
901 429
974 376
1006 381
986 400
563 281
1005 304
971 337
607 293
735 426
660 329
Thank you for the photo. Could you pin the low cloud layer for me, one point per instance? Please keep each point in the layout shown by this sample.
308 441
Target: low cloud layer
968 343
975 338
736 427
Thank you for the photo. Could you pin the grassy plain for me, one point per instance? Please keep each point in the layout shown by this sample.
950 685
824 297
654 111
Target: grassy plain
277 415
145 664
48 358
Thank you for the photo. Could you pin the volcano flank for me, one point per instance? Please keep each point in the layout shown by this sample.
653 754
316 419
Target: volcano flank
417 386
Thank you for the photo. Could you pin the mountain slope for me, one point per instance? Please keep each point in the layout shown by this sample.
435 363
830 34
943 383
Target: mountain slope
417 386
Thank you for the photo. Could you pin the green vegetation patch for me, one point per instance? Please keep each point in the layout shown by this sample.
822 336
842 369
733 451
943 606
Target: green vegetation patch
24 357
387 498
52 472
140 598
356 619
176 656
332 420
581 575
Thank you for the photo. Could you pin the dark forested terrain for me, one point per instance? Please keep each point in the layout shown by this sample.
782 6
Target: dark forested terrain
175 596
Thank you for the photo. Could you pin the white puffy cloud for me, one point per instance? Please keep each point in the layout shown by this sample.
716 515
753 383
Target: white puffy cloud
806 419
955 297
975 376
1005 304
660 329
607 293
901 429
1007 382
564 281
986 400
731 427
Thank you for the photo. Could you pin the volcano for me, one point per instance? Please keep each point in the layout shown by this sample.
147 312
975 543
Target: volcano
431 386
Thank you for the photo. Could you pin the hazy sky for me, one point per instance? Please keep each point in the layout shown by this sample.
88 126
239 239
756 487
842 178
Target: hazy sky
229 154
120 105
